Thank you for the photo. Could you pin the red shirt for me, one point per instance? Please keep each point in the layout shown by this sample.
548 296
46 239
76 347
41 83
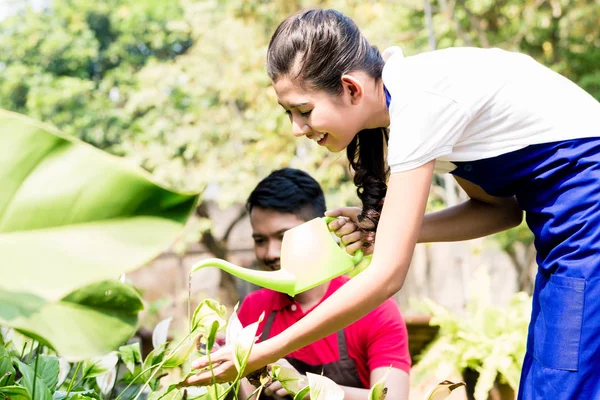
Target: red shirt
379 339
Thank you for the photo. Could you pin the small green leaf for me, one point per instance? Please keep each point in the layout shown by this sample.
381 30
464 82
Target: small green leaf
208 310
290 378
160 333
99 365
323 388
7 370
106 381
212 336
378 390
15 393
131 355
302 394
182 353
152 359
242 345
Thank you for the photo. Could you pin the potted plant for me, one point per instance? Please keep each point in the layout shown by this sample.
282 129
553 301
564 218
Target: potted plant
486 344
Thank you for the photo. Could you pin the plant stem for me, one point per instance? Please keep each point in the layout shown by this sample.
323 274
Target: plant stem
212 372
112 391
23 351
73 379
37 358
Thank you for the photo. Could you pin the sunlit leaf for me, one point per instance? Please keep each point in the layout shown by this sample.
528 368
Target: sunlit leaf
15 393
323 388
63 371
99 365
106 381
379 390
131 355
242 344
206 313
182 353
290 378
161 332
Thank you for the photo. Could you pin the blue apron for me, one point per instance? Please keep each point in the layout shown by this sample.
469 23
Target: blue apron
558 185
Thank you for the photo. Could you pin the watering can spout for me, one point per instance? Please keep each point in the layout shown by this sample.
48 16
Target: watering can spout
309 257
280 280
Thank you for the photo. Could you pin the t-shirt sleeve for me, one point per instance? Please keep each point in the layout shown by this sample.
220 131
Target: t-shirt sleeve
386 338
423 127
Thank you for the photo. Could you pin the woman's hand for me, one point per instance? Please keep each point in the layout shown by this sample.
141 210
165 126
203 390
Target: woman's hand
224 368
345 226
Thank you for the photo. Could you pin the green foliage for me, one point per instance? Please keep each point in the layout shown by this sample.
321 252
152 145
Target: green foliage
488 339
72 218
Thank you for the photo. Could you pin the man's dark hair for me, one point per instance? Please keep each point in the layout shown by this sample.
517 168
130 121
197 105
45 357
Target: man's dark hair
291 191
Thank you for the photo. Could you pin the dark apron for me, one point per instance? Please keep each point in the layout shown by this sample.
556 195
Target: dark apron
343 372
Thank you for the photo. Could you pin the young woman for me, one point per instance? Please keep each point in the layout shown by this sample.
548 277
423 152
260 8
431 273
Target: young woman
515 135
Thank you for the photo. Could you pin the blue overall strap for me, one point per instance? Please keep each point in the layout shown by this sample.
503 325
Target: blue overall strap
388 97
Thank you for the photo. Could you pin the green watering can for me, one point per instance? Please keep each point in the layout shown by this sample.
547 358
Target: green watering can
309 257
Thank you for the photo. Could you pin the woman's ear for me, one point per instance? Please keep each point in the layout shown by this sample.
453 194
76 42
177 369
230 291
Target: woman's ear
353 88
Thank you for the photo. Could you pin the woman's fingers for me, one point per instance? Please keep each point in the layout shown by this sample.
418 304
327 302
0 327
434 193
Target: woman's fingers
274 388
351 238
350 212
224 372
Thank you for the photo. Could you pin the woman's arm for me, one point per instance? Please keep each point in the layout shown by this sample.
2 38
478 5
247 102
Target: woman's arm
479 216
397 233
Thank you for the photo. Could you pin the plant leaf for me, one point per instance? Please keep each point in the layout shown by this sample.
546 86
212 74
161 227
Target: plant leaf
179 356
208 310
72 214
442 390
242 345
131 355
15 393
234 326
48 369
99 365
7 370
106 381
378 390
63 370
42 392
212 336
290 378
161 332
323 388
105 318
302 394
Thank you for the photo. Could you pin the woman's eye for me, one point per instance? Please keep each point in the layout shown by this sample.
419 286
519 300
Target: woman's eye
306 113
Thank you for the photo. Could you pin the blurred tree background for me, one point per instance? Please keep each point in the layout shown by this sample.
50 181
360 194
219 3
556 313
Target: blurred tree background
179 87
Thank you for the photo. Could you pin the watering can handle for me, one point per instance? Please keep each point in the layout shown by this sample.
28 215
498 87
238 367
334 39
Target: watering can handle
358 254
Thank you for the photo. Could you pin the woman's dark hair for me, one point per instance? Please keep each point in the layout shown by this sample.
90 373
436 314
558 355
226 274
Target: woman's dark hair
315 48
290 191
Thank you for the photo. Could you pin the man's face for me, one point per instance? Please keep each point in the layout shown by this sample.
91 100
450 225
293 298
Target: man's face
268 227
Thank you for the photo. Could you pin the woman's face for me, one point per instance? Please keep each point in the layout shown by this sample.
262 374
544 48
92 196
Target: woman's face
329 120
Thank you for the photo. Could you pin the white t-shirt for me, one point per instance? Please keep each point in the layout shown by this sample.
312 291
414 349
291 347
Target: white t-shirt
466 104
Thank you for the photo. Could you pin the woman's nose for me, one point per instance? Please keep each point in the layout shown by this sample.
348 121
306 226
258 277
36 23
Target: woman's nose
300 128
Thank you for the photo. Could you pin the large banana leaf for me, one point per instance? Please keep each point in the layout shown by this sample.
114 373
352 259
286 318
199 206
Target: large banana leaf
72 215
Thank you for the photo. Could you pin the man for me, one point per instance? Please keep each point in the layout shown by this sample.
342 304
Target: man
355 358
